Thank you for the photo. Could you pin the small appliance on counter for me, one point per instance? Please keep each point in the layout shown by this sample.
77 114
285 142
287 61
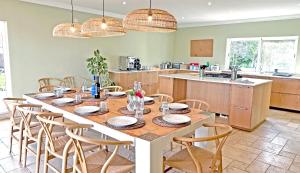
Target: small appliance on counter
215 67
283 74
177 65
165 65
194 66
128 63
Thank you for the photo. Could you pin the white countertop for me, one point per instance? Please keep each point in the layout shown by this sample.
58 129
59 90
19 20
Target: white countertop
196 77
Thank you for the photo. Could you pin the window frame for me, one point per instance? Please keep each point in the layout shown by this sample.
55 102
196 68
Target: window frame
259 57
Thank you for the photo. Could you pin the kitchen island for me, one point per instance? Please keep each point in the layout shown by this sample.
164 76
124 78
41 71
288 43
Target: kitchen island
246 101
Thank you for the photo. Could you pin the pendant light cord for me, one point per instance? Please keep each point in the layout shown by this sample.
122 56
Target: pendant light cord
72 11
150 4
102 8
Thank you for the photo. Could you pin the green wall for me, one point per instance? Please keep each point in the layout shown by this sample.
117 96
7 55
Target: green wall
220 33
34 53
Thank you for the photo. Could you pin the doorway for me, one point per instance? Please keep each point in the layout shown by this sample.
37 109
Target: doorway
5 84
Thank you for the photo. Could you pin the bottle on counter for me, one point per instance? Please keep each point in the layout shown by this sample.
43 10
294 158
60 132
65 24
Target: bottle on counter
97 88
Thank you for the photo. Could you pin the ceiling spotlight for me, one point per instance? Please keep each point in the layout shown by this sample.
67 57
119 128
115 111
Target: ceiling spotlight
182 17
124 2
209 3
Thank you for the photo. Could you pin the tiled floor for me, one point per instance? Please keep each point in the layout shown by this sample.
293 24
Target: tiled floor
274 147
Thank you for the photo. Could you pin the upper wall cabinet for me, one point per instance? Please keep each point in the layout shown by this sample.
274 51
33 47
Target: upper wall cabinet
202 48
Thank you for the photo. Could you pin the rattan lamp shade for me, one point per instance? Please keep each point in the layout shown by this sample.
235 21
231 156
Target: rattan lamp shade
162 21
93 27
69 30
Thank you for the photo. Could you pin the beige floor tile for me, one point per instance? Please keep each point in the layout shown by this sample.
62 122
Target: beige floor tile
233 170
275 160
267 146
279 141
239 165
246 148
239 155
10 163
295 165
257 167
20 170
226 161
287 154
292 147
273 169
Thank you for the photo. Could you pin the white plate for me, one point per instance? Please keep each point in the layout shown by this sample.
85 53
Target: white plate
45 95
176 119
86 109
178 106
66 89
148 99
116 93
63 101
122 121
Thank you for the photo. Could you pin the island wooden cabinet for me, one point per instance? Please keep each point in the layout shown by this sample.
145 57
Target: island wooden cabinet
285 92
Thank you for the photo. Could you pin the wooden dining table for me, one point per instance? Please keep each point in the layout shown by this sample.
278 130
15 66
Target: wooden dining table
149 141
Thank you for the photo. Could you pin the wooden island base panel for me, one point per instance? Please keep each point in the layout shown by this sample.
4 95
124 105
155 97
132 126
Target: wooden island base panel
247 105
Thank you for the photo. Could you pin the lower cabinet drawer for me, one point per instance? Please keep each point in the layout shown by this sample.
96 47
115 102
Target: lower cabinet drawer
240 117
286 101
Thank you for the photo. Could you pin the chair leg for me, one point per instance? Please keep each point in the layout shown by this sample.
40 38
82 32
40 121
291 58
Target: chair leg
38 156
163 164
21 144
25 150
11 138
46 161
64 164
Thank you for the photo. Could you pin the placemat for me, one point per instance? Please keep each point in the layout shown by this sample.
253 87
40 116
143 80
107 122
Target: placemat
125 111
67 104
159 121
117 97
183 111
92 99
70 91
149 103
93 114
139 124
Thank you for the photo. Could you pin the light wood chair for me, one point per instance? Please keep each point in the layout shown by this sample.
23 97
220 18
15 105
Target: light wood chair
48 88
15 122
113 88
102 161
57 147
196 104
31 134
162 98
194 159
51 82
143 92
70 81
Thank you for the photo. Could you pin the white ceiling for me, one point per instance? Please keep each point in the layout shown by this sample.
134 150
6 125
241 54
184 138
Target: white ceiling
193 12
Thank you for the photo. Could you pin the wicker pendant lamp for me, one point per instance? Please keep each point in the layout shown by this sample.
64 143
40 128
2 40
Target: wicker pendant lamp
103 26
72 30
150 20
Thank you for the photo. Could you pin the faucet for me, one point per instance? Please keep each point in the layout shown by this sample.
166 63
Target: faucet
234 70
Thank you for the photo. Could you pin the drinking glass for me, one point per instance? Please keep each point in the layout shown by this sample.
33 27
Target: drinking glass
58 92
103 106
165 108
131 103
84 87
77 98
139 108
106 92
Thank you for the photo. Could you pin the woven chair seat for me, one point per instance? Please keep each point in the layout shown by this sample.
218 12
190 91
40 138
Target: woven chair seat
96 160
183 161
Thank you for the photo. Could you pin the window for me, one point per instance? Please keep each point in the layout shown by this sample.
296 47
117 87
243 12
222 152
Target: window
262 54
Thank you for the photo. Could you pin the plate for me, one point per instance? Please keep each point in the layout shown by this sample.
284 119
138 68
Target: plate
116 93
63 101
148 99
176 119
122 121
45 95
178 106
66 89
86 109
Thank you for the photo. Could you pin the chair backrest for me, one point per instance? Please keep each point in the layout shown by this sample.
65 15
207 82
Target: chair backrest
196 104
11 104
48 88
162 98
51 81
48 122
70 81
113 88
127 92
28 112
219 138
78 139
